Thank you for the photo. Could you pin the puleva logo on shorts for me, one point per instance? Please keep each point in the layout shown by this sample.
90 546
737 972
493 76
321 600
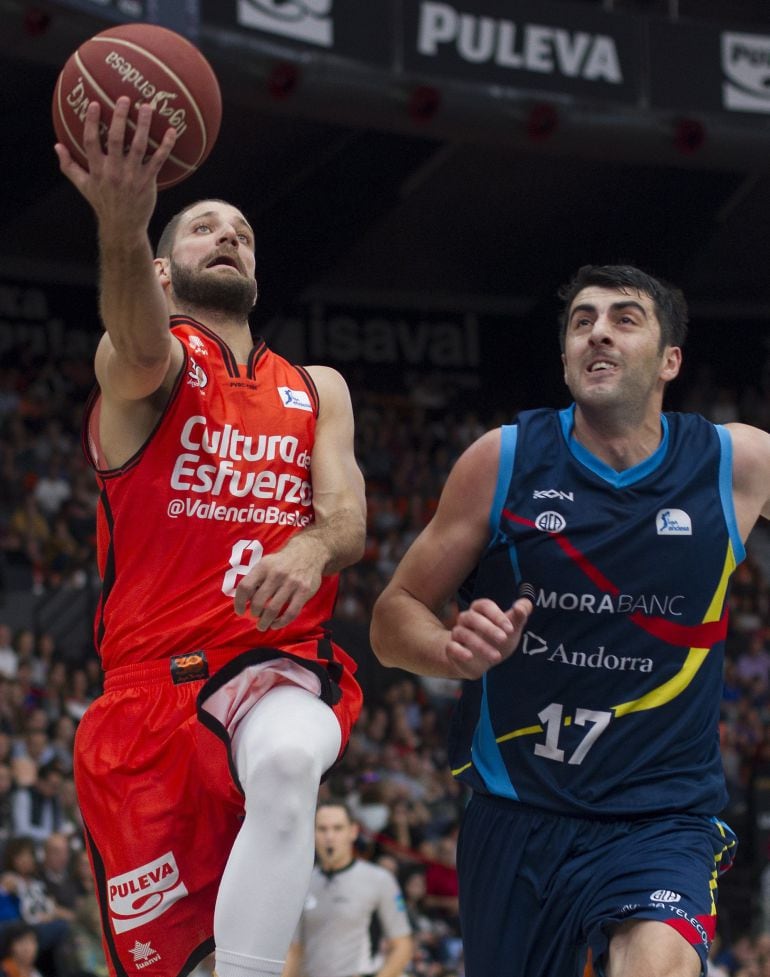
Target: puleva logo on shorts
144 893
298 399
303 20
673 522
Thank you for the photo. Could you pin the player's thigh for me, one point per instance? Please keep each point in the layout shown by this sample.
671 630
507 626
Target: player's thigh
160 812
508 858
648 948
652 907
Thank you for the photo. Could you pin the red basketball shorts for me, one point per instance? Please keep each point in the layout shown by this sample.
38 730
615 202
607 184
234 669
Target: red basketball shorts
160 803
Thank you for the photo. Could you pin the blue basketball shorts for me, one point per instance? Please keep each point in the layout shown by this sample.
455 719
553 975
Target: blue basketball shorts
538 889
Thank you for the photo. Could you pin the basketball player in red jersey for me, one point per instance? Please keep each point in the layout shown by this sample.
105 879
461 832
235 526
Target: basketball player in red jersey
229 500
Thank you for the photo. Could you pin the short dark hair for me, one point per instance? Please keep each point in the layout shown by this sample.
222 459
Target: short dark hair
12 932
668 300
15 846
337 803
168 234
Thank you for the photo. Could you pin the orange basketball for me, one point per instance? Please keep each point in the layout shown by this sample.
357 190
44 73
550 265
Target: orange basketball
149 64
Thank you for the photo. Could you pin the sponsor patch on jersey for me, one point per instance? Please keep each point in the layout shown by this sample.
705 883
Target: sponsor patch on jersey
673 522
196 375
550 522
553 494
297 399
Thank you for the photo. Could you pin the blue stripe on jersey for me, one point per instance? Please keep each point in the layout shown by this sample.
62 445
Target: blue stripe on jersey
726 491
617 479
486 753
509 435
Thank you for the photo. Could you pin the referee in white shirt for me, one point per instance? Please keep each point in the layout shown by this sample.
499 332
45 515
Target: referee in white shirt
334 934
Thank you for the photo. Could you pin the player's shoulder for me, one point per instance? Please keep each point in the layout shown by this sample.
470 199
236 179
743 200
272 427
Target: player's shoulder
373 871
332 388
480 457
751 452
326 375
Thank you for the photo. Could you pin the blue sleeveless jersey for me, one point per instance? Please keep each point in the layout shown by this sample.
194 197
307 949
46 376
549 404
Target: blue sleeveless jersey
610 704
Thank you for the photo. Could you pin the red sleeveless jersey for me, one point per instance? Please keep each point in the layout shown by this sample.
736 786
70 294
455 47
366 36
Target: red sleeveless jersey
223 479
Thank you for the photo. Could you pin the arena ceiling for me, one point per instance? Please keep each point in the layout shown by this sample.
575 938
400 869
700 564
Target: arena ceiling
357 199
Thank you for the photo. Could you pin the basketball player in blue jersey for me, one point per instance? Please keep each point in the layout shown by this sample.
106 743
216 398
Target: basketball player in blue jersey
592 549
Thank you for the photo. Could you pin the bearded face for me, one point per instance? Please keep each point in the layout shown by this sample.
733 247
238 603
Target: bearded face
233 293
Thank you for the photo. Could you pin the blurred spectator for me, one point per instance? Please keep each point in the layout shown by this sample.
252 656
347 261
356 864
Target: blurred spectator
8 656
441 887
55 692
9 721
37 808
28 534
43 656
77 697
62 742
52 488
6 806
36 906
368 805
404 831
56 873
71 818
754 662
87 928
18 951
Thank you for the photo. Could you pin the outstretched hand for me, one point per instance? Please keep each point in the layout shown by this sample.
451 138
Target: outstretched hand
485 635
120 183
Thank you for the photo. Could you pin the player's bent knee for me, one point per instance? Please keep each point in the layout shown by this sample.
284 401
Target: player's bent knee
288 766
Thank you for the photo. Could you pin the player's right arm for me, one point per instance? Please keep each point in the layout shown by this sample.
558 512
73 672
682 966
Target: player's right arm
406 628
135 356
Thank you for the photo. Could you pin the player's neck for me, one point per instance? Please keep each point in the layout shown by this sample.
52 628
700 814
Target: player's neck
232 330
619 442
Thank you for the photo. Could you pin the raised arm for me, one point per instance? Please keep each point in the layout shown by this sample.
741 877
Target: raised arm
135 355
406 629
289 578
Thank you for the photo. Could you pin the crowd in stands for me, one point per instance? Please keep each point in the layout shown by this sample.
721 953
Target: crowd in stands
394 775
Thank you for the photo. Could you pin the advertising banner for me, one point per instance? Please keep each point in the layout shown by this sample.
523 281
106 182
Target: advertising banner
551 47
703 68
354 29
118 10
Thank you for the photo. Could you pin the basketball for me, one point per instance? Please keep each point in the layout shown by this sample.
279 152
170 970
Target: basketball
149 64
